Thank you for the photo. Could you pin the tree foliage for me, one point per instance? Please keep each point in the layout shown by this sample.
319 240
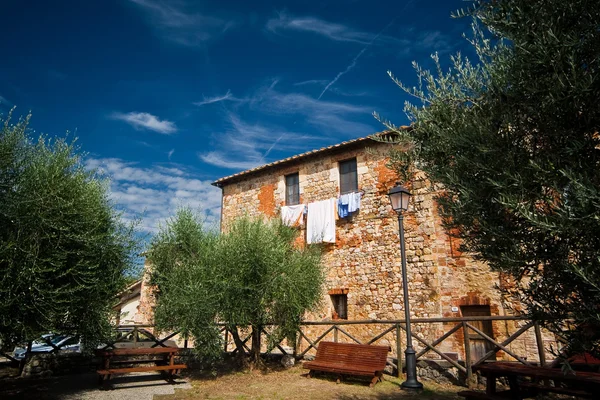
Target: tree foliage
253 275
514 141
63 249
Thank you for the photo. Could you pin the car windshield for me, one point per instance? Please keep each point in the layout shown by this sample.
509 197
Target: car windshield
58 339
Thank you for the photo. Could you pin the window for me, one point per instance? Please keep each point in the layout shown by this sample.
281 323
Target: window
292 189
348 176
340 306
70 342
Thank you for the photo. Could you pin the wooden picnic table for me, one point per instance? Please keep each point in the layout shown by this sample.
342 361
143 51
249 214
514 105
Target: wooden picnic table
528 380
124 356
579 362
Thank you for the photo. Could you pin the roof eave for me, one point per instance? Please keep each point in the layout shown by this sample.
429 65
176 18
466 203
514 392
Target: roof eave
220 183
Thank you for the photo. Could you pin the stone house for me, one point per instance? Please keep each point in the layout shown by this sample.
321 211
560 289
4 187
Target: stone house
363 280
126 310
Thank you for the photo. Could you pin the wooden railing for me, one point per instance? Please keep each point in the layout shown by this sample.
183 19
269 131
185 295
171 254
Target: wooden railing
461 330
147 331
396 331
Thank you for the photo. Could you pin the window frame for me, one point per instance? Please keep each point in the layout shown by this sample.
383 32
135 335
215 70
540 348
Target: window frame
292 199
353 186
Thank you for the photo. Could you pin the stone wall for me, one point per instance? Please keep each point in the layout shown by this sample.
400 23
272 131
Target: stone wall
145 309
365 260
50 364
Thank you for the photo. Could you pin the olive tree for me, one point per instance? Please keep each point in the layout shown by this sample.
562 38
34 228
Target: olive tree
513 139
64 251
251 276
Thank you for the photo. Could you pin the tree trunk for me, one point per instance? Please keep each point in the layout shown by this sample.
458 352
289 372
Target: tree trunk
255 351
25 359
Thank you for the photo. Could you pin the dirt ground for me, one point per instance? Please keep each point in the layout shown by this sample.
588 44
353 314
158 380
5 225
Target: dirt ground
229 382
277 383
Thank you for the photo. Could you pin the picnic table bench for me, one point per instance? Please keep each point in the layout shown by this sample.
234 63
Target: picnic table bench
349 359
128 356
528 380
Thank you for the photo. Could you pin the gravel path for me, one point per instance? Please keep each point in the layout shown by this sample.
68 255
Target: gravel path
135 386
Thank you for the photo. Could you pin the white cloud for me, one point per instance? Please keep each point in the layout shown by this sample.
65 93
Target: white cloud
339 123
227 160
345 71
245 145
411 41
330 30
360 53
313 111
335 32
336 90
319 82
142 120
4 102
433 41
178 21
215 99
155 192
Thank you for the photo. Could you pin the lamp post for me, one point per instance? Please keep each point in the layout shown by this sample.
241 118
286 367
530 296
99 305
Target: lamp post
399 197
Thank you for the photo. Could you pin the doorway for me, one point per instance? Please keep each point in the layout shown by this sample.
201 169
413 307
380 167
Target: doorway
479 345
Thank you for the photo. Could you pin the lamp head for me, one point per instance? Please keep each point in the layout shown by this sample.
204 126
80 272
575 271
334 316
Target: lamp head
399 197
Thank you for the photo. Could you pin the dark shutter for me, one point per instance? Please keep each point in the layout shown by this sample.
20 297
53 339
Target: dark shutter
348 176
340 305
292 189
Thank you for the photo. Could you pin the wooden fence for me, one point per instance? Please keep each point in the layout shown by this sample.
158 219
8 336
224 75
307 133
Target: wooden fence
460 330
429 335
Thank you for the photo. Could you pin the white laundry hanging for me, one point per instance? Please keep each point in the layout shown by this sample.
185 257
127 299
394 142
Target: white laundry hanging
348 203
320 222
354 201
292 215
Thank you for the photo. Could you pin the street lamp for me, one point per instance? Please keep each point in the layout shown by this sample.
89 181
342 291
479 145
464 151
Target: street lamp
399 197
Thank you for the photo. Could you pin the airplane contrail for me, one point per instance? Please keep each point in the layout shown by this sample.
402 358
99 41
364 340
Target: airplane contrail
355 59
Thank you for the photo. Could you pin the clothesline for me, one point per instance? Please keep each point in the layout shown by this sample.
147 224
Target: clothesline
321 215
362 192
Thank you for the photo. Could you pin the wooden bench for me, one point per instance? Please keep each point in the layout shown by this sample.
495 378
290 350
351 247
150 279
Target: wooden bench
124 356
349 359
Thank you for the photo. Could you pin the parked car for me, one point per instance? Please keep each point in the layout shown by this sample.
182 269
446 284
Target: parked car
65 343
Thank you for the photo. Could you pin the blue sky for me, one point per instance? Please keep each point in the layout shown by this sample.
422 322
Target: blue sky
168 96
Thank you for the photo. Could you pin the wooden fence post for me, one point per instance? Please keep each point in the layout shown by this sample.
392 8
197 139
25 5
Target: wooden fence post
298 344
297 339
468 362
540 343
335 333
399 350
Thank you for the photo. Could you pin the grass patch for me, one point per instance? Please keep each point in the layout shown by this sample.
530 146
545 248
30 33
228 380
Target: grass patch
273 383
